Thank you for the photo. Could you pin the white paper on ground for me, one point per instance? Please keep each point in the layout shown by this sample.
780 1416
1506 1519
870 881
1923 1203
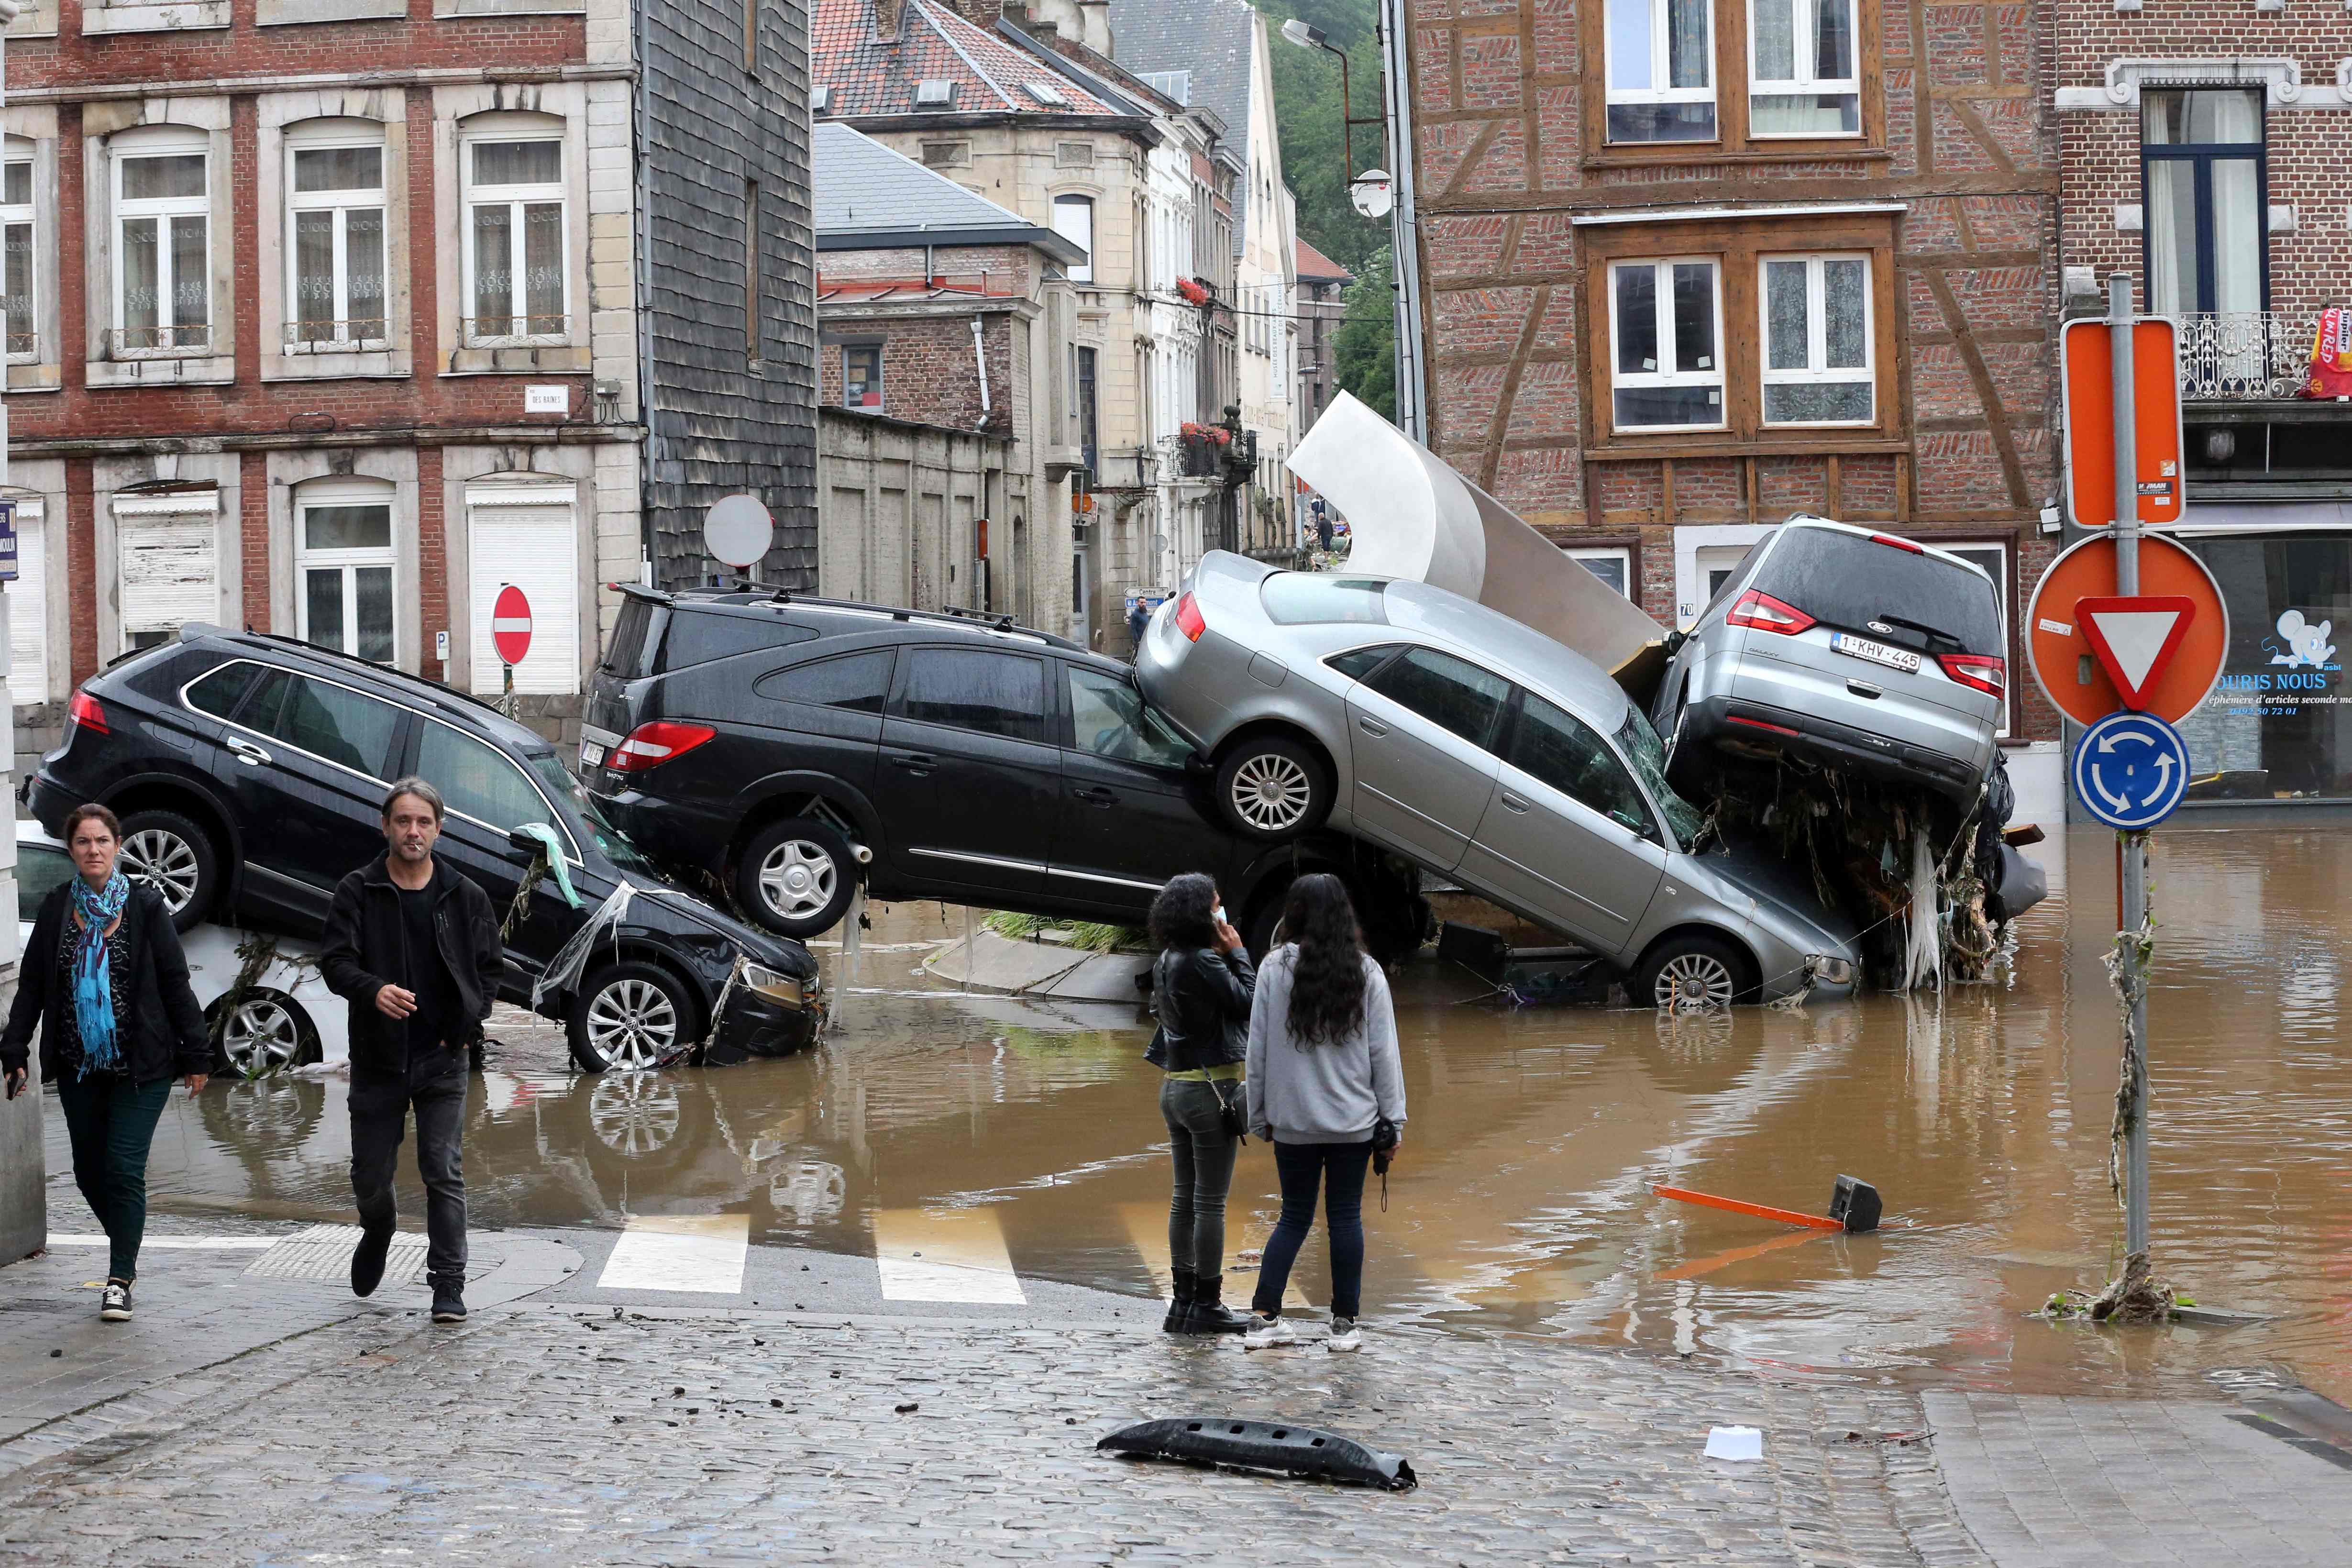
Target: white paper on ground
1735 1442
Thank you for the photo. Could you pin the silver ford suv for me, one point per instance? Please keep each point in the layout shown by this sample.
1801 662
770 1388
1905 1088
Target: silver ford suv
1852 647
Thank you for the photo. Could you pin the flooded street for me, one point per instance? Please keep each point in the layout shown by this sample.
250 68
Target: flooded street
1522 1199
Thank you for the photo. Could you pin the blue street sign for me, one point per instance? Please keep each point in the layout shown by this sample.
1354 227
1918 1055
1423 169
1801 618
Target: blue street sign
2131 770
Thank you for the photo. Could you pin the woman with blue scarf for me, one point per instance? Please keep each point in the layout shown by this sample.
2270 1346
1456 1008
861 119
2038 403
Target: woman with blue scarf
104 980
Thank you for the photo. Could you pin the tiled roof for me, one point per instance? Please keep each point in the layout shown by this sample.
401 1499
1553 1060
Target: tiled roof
1313 263
866 77
868 196
1210 38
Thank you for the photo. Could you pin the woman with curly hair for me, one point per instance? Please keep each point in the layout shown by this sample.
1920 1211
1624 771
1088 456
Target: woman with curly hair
1322 1073
1200 987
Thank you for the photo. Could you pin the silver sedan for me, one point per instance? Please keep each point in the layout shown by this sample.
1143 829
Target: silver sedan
1484 752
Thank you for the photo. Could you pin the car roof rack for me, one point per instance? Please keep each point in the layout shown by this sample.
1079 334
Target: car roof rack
950 615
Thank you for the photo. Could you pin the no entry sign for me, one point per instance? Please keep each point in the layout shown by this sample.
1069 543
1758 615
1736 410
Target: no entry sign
510 625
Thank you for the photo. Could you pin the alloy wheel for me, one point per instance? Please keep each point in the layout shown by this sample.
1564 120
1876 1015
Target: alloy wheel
633 1023
1691 982
797 880
165 861
261 1036
1270 791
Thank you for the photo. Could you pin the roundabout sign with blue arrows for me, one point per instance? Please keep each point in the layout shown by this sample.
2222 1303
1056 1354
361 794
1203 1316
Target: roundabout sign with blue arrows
2131 770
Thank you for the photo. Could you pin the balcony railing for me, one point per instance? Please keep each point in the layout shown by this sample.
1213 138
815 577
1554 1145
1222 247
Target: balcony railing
335 337
128 342
2246 357
516 332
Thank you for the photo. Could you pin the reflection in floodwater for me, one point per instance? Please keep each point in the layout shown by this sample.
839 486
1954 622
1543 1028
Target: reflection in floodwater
1522 1200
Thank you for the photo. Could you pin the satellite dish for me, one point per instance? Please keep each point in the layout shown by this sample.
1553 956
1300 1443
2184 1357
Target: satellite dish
737 531
1372 192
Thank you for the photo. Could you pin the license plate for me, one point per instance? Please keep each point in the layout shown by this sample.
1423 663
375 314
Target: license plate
1901 658
591 755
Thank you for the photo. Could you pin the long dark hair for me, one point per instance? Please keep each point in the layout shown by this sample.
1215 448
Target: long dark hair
1327 979
1180 915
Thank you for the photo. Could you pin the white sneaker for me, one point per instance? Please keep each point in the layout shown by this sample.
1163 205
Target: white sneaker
1266 1332
1345 1337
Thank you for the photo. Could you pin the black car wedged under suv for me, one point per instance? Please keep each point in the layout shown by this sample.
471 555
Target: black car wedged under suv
786 747
249 772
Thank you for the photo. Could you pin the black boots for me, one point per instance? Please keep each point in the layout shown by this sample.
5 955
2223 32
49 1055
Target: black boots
1210 1315
1179 1306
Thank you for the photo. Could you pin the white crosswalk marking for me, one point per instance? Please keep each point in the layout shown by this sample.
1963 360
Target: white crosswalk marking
695 1253
944 1255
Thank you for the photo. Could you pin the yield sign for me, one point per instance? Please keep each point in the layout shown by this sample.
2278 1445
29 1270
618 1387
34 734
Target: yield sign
2136 637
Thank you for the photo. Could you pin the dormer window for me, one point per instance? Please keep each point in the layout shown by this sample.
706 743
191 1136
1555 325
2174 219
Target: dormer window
1047 93
821 100
934 92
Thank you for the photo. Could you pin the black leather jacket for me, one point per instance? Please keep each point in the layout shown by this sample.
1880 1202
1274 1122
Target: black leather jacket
1202 998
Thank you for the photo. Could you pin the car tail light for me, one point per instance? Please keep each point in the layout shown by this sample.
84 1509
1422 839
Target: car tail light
1767 614
651 745
1188 620
1898 544
86 711
1981 671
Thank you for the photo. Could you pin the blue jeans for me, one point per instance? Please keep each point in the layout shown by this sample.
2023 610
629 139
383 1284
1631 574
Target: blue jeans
1204 1170
1338 1169
110 1121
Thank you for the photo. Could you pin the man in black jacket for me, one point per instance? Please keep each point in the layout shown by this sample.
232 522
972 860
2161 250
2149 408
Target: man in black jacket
413 946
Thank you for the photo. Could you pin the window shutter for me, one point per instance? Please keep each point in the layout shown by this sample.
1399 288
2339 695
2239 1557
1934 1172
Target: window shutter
29 617
531 541
165 557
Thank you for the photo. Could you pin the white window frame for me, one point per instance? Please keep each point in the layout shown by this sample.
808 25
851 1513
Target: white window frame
1625 380
160 210
517 198
349 561
22 215
1818 371
28 609
1622 554
342 204
1803 21
1661 57
1077 201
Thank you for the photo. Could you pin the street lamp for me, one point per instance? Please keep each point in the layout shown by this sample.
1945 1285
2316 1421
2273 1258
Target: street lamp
1307 37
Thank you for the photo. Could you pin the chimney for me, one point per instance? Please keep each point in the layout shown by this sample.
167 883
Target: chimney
981 14
885 21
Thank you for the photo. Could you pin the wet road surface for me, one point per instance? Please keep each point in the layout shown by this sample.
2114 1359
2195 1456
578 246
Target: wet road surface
1001 1135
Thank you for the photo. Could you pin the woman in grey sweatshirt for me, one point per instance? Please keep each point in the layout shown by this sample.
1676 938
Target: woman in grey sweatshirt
1323 1070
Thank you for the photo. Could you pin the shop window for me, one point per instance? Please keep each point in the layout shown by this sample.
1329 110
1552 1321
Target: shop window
1666 331
1816 318
335 251
163 261
343 569
2277 725
2205 215
515 241
19 275
1661 70
1803 79
861 377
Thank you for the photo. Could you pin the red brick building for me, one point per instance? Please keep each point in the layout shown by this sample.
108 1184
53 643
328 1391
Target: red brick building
2204 150
330 317
1686 267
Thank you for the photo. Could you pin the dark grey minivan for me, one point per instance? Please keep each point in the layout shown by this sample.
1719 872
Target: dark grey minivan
1852 647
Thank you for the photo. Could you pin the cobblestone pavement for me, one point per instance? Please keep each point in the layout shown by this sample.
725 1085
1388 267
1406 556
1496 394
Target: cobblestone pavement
544 1434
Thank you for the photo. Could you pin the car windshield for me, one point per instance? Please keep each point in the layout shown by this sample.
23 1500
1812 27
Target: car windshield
1643 749
569 791
1312 598
1848 580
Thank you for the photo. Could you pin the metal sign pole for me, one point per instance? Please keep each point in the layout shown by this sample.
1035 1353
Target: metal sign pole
506 704
2135 844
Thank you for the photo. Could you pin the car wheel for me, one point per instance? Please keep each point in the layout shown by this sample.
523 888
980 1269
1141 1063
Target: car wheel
1693 972
795 877
175 857
628 1016
263 1034
1269 789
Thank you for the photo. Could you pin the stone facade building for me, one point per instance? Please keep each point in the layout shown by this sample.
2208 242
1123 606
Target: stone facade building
1689 266
2204 150
1322 306
337 316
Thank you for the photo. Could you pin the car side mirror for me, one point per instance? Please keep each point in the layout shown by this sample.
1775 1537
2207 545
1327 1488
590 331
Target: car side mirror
524 844
1631 824
1674 640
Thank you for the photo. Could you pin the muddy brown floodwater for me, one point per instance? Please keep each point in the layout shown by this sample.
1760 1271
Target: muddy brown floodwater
1522 1200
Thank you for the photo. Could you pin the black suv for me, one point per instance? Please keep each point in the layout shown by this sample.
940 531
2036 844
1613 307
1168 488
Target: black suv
250 773
785 747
